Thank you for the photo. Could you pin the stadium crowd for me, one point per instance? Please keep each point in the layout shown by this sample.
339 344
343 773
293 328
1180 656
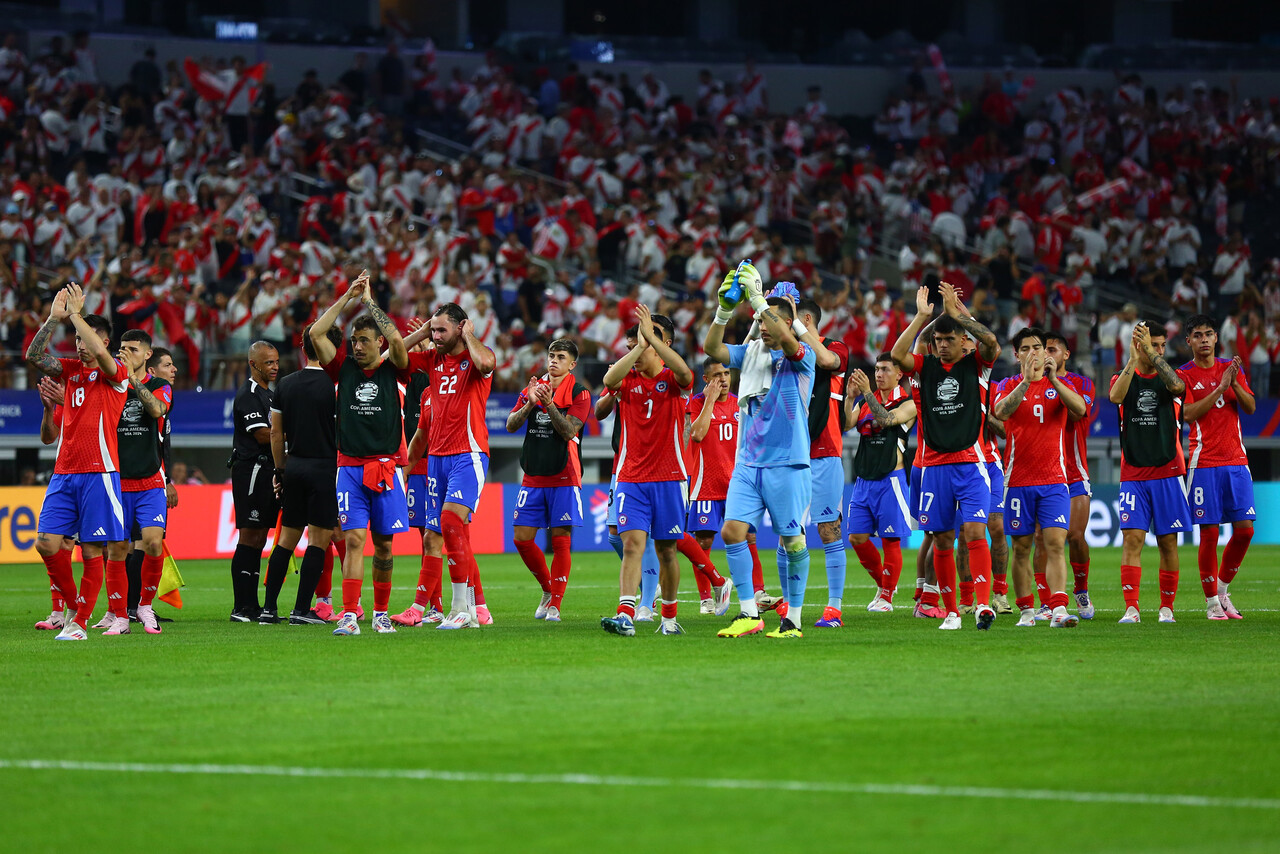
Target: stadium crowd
580 197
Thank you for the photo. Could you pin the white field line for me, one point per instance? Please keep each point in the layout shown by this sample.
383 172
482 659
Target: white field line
616 781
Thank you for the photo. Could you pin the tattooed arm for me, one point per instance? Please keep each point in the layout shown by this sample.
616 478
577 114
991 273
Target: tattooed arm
566 425
988 346
882 417
396 351
154 406
1010 402
37 354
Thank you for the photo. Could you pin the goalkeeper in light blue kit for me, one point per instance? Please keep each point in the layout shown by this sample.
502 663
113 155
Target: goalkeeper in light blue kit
772 469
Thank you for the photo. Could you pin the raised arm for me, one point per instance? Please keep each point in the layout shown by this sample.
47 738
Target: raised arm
1168 376
988 346
1244 399
92 341
881 416
481 356
397 352
325 351
902 348
51 395
702 424
618 370
37 354
567 426
1120 387
521 415
152 405
670 358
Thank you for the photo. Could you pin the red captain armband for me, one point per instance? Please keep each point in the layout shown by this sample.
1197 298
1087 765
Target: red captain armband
799 354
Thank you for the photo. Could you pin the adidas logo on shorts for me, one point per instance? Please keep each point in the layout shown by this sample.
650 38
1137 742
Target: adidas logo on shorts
397 526
566 518
1061 519
99 533
675 529
888 529
158 519
457 494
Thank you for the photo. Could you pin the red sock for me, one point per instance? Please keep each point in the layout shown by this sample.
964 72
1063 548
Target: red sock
703 581
62 576
944 566
1168 587
1042 588
1080 573
117 588
561 563
351 594
1130 581
324 587
668 610
340 546
701 561
980 570
90 585
1000 584
1207 560
381 596
152 569
892 568
1025 602
55 599
458 545
869 557
757 569
1058 600
1233 554
536 561
928 598
966 593
475 580
628 608
428 580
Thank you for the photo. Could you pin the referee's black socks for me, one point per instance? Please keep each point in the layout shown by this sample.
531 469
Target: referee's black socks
277 569
313 560
245 566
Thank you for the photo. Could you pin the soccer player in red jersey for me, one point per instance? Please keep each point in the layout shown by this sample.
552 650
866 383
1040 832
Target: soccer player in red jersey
555 407
713 446
1078 486
955 480
83 499
457 449
51 401
653 485
1152 495
1218 478
1035 408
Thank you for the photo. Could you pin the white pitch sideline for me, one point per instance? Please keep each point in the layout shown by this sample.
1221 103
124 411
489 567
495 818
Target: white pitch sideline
517 779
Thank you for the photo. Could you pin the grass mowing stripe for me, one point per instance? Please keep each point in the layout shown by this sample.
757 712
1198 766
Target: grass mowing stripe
898 789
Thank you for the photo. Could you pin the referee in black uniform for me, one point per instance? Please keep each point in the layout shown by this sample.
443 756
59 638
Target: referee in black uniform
305 452
251 487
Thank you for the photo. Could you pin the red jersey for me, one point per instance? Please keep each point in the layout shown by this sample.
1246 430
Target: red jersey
94 401
1177 467
930 457
830 442
651 445
1078 431
1221 422
459 394
1035 435
711 460
580 408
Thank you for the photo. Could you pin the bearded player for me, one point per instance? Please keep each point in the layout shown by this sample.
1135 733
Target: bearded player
1218 479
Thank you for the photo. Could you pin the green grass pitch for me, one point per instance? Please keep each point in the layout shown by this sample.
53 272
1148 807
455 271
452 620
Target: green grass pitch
853 716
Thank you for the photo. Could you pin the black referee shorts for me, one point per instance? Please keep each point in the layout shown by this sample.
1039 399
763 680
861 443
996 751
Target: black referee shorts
254 494
310 493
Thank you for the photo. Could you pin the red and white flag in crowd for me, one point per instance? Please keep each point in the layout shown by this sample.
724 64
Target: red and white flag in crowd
944 78
221 89
1099 194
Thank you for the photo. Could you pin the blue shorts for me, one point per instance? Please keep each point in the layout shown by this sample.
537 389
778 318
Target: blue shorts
705 516
456 479
1027 506
1221 494
416 498
145 509
1159 506
549 506
1079 489
86 506
611 518
946 491
657 508
783 491
359 507
828 489
996 474
880 507
914 494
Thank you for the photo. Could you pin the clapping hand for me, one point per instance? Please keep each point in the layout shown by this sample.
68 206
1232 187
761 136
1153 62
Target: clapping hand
860 382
